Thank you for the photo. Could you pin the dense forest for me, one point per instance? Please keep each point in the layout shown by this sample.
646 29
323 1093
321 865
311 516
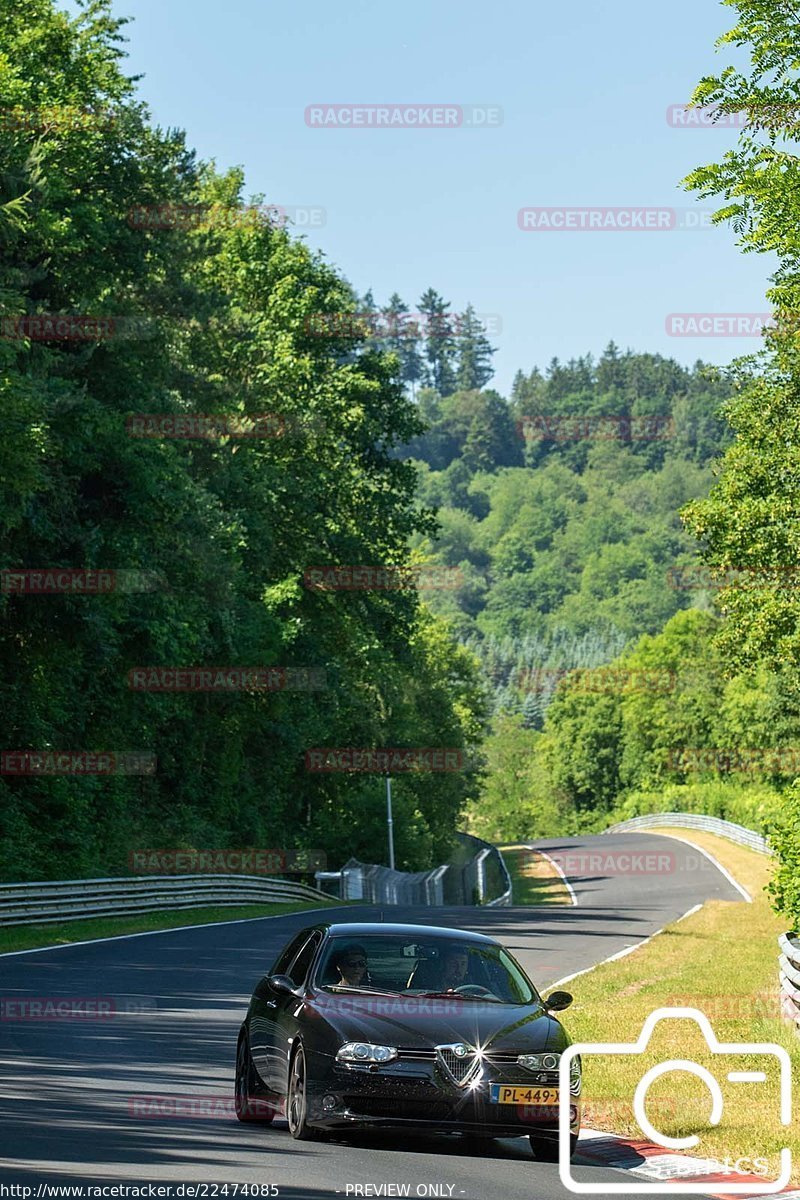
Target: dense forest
581 591
211 316
565 532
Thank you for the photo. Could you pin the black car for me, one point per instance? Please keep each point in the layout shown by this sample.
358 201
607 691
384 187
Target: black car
386 1025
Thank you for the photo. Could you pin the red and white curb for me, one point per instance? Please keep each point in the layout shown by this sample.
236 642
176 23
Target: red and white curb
647 1161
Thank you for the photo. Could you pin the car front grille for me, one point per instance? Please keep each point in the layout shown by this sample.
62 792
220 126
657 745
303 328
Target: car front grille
460 1068
505 1061
416 1053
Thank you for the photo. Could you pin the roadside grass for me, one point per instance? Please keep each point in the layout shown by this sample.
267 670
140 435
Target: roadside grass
722 960
33 937
534 879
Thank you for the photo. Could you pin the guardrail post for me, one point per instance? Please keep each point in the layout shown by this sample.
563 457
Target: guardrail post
480 866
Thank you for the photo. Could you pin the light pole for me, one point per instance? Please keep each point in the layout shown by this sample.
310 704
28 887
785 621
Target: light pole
389 821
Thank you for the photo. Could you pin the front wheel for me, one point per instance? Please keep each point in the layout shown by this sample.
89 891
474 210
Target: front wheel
247 1105
546 1149
297 1100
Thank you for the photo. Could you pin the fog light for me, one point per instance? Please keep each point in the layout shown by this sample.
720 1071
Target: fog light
328 1102
573 1114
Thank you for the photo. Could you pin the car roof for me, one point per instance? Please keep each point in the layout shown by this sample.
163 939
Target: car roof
363 928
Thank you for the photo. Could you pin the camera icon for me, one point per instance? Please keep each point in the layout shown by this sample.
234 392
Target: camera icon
765 1050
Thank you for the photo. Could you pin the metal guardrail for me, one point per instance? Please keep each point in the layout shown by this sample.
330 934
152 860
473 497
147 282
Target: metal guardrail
504 899
375 884
726 829
790 977
789 962
459 882
76 899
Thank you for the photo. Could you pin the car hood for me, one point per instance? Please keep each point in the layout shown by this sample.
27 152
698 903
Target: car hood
418 1021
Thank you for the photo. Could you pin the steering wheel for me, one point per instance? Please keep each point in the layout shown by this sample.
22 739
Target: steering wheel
473 989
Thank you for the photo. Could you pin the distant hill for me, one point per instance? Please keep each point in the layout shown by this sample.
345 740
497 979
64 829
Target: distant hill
559 507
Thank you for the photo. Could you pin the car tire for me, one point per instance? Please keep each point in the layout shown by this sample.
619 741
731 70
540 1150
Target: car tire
247 1105
546 1149
297 1100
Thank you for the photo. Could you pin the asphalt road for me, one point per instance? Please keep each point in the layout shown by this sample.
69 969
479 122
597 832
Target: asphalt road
68 1090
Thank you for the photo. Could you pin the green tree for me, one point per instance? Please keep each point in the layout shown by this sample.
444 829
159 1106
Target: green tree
403 340
439 342
514 802
785 837
227 312
749 523
474 353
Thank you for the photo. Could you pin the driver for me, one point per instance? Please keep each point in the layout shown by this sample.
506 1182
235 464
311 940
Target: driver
455 968
351 963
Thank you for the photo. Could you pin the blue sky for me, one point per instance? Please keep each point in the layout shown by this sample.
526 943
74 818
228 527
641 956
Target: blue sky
583 90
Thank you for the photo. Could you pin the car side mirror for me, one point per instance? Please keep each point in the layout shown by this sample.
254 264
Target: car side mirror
558 1001
281 983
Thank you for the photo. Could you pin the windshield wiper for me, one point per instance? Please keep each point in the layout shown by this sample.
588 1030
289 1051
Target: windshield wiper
343 987
459 996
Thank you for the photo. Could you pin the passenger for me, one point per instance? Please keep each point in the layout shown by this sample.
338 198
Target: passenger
455 968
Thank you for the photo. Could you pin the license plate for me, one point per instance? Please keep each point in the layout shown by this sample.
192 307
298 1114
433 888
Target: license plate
501 1093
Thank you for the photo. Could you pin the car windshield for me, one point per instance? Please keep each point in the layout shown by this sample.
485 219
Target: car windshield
402 965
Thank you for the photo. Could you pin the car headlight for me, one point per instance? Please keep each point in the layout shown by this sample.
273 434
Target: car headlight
575 1079
551 1062
365 1052
539 1062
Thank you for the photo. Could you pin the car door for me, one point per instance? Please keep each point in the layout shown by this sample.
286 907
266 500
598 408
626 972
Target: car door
263 1005
286 1014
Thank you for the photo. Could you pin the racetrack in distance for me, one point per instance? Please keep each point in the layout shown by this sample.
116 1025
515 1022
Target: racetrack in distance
68 1085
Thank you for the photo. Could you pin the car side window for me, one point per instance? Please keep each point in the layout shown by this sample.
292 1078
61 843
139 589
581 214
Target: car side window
282 963
299 968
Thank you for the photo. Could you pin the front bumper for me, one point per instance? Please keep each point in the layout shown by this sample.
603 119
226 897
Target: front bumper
416 1094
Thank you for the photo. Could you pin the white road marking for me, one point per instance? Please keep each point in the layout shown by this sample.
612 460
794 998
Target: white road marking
627 950
552 861
121 937
723 870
